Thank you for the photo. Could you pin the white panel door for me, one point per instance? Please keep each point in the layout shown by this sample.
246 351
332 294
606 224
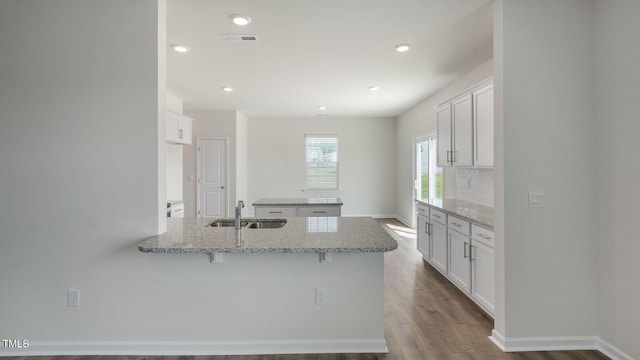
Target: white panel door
212 177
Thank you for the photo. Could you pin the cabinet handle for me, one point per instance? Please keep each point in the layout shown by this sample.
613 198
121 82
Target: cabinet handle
180 134
436 216
456 224
319 212
465 250
275 212
484 236
453 156
426 228
471 258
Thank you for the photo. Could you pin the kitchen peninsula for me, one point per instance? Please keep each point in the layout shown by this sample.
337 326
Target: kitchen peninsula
314 285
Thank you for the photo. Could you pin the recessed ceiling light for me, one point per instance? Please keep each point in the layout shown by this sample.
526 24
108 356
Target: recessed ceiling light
180 48
227 89
374 88
240 19
403 47
322 108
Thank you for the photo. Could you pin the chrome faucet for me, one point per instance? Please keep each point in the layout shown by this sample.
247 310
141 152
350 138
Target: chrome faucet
239 214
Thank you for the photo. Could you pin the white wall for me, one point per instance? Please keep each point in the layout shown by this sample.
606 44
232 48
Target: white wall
421 120
209 124
174 156
549 254
618 172
81 159
81 152
366 156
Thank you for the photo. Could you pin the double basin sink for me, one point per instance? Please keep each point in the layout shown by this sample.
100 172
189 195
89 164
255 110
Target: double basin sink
250 223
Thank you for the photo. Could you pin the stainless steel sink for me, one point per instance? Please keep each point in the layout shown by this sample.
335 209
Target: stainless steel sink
227 223
267 224
251 223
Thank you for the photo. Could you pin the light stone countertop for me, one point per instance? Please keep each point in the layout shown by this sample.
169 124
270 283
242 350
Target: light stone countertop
298 201
475 213
299 235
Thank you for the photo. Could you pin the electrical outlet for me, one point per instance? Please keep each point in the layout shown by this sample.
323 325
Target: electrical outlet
326 257
321 296
73 298
216 258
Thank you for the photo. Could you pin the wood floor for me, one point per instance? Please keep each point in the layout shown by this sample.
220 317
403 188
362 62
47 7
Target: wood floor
426 318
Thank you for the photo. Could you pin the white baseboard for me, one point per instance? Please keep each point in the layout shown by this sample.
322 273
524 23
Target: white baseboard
51 348
558 343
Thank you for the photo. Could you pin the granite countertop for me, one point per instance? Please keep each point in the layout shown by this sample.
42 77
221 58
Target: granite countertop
475 213
299 235
298 201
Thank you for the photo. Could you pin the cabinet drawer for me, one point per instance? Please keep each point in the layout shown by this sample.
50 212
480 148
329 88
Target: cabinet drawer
459 225
438 216
423 210
275 211
482 235
309 211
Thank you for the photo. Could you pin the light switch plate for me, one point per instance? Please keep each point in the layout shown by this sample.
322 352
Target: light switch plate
536 199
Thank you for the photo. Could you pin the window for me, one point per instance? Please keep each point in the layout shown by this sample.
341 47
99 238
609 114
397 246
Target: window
428 182
322 162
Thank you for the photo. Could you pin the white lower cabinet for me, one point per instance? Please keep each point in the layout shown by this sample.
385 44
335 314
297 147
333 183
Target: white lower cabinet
293 211
423 236
462 251
439 247
276 211
459 271
482 280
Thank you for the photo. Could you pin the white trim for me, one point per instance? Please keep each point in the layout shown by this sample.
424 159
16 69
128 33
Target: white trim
52 348
557 343
466 92
226 186
404 221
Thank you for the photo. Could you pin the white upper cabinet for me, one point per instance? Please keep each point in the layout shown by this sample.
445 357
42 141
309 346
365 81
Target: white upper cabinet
465 128
483 126
443 115
462 138
178 128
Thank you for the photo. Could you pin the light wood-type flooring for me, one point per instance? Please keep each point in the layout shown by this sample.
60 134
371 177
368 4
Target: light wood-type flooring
426 318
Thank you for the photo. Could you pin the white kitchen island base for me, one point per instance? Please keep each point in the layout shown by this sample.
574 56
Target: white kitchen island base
261 299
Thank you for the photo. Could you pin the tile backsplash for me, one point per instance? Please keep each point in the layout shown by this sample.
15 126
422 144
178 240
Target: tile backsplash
475 185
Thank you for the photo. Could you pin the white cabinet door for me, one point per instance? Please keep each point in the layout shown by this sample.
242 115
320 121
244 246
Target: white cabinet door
423 238
459 262
178 128
184 130
483 126
461 118
482 283
439 247
314 211
276 211
443 117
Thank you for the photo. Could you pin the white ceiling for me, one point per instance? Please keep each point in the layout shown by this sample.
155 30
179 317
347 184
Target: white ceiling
323 52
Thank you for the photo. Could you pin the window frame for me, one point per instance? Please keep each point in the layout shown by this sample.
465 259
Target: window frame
306 162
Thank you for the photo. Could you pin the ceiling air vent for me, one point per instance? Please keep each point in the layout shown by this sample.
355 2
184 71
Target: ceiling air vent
235 37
